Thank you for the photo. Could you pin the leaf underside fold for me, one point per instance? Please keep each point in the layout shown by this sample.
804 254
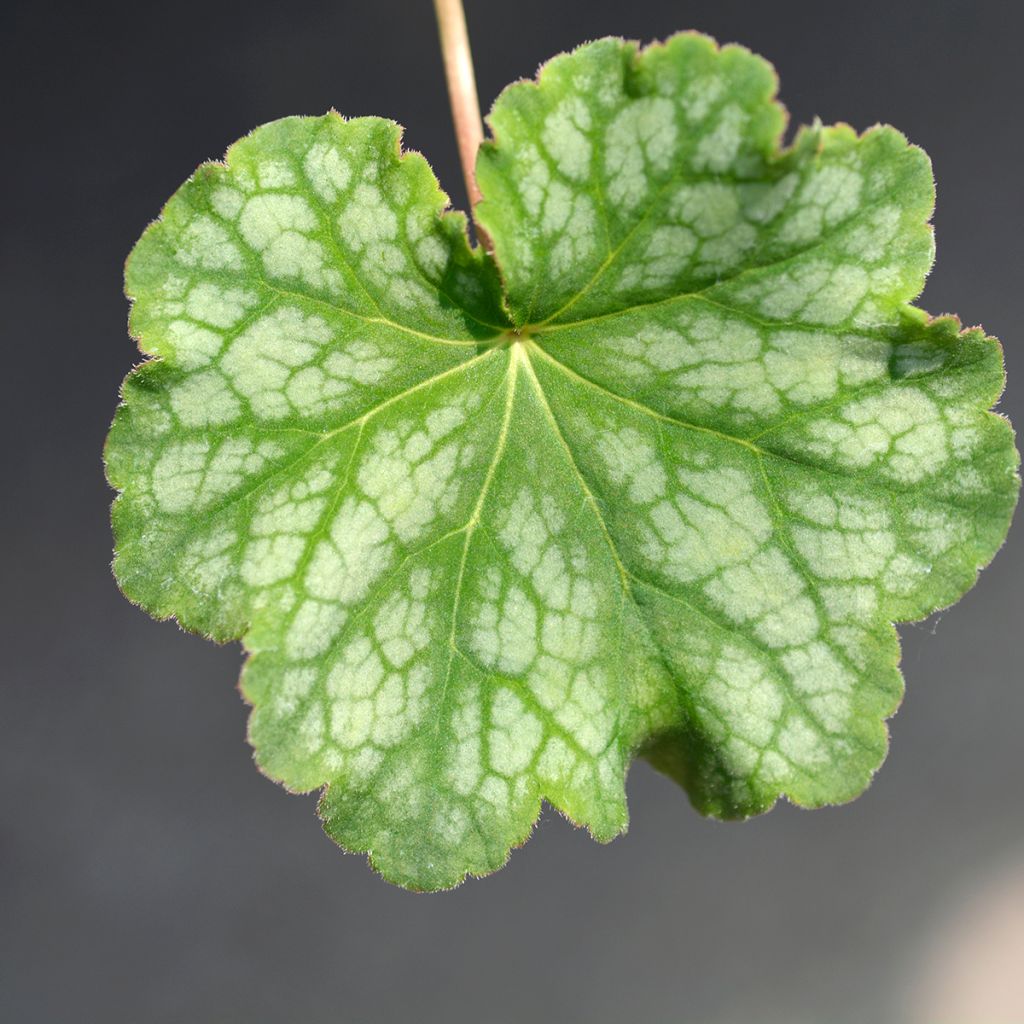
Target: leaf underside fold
655 477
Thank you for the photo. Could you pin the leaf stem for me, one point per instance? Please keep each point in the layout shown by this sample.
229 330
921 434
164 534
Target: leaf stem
458 70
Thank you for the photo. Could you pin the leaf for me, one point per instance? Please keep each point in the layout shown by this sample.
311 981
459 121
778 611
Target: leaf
661 489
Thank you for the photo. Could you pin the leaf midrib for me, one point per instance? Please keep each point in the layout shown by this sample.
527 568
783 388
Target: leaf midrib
630 577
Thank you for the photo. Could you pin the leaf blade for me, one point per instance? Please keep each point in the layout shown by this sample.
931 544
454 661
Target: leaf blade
659 489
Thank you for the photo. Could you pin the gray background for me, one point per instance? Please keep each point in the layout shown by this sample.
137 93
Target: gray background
149 873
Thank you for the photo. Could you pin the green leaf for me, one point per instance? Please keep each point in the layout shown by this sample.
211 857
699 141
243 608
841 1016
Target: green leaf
661 488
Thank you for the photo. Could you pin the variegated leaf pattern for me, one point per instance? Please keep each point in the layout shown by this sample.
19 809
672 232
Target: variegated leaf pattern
655 477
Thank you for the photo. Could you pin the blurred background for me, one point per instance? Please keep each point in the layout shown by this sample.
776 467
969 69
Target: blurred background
149 873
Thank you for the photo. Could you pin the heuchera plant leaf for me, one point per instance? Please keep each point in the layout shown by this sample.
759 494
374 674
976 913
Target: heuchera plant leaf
654 478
